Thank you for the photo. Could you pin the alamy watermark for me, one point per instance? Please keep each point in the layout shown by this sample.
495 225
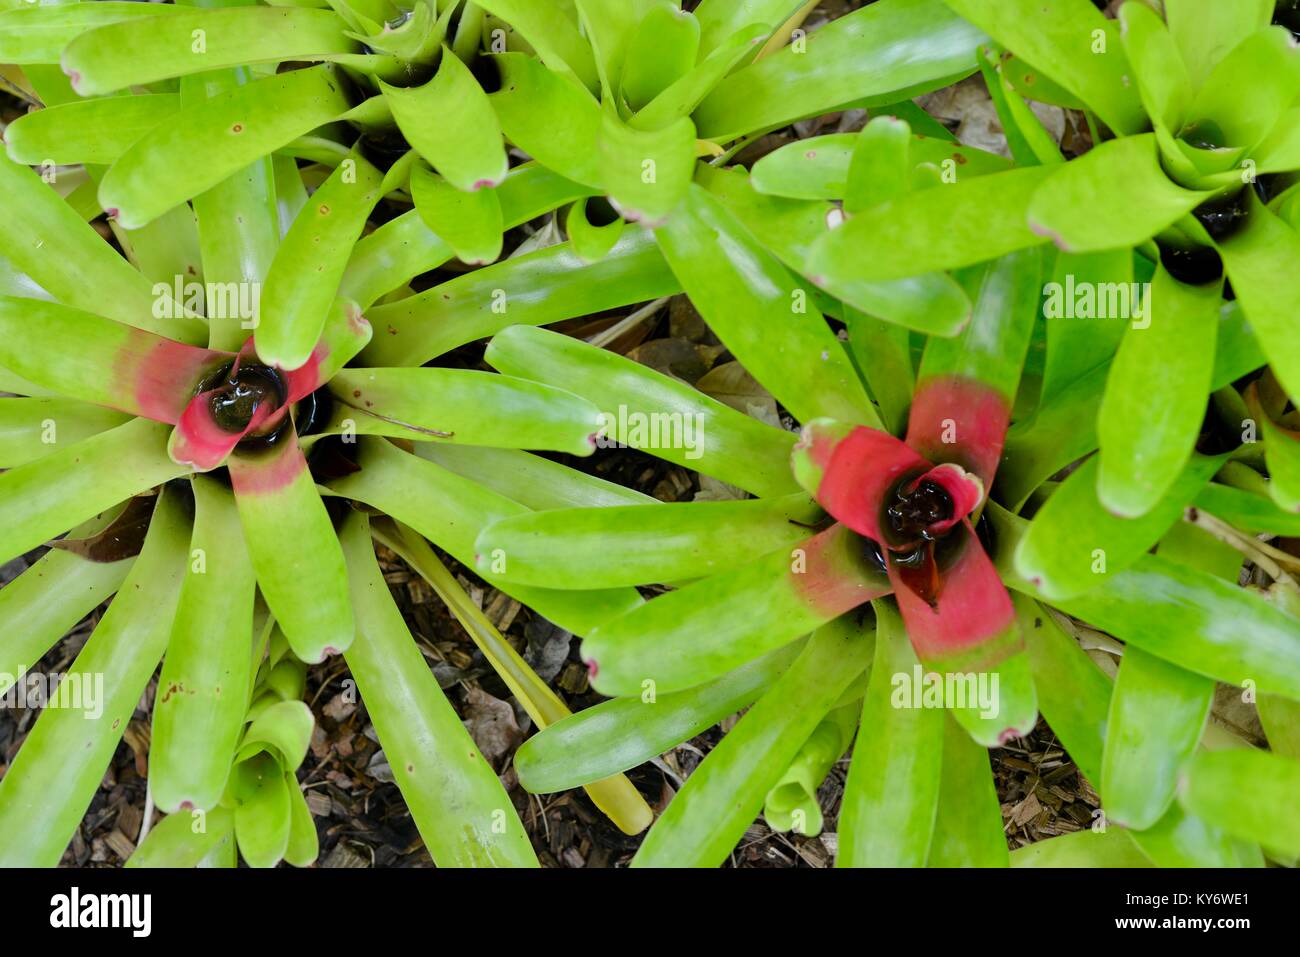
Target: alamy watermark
921 689
32 689
1098 300
216 300
652 430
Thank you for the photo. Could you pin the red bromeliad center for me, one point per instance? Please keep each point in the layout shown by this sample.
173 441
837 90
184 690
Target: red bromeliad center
915 517
244 404
919 515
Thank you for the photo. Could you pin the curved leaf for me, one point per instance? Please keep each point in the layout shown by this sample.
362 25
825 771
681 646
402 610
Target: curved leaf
539 288
48 598
1151 415
50 784
293 549
450 122
206 676
472 407
1079 47
214 139
619 734
716 624
303 277
745 295
891 795
641 544
1157 714
470 222
139 52
49 241
89 131
463 813
725 793
646 409
47 497
913 46
450 510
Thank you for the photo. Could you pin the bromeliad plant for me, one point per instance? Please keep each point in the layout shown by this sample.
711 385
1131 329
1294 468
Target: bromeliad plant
127 383
755 577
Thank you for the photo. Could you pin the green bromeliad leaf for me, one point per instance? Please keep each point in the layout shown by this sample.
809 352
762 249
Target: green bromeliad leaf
463 813
716 624
1259 812
660 51
31 428
642 408
621 733
471 407
1062 430
89 131
1259 260
1186 616
46 791
818 167
1075 543
1249 89
1104 848
39 34
49 241
50 597
887 818
745 295
1079 48
470 222
1157 714
1115 195
615 795
1083 328
172 842
720 19
301 282
214 139
914 46
550 117
49 496
646 172
1075 695
451 123
1163 77
933 303
641 544
590 241
1206 32
450 510
404 247
88 357
206 676
681 97
538 288
725 793
791 804
293 549
1155 399
553 32
136 53
531 480
609 25
968 825
239 219
916 233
